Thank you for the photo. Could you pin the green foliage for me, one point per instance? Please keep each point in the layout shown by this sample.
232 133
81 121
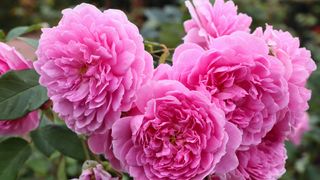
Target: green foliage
61 173
20 93
13 153
32 42
18 31
163 25
63 140
2 35
41 143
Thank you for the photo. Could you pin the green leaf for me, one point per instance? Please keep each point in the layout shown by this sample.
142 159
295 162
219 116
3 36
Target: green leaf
18 31
39 164
41 142
64 140
2 138
13 153
73 168
32 42
20 93
126 176
2 35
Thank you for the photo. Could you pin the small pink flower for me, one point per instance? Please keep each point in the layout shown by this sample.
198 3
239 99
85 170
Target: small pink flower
298 68
10 59
95 173
209 22
179 134
92 63
238 73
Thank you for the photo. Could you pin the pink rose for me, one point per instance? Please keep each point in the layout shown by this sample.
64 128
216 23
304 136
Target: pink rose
10 59
96 173
179 134
92 63
102 144
162 72
298 67
238 73
20 126
300 129
264 161
209 22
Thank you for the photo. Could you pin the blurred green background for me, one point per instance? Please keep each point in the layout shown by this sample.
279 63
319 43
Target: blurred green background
161 21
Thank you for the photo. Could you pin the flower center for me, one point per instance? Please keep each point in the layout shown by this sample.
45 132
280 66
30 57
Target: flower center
271 51
173 139
83 69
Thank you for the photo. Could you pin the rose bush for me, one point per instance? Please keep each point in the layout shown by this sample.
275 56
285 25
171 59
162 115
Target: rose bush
223 109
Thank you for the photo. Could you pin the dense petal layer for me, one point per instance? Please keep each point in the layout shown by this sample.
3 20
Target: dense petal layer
212 21
178 134
92 63
292 121
237 72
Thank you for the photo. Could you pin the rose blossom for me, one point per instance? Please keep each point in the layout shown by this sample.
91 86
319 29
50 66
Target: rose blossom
20 126
97 173
179 134
300 129
265 161
102 143
299 66
92 63
208 22
238 72
162 72
10 59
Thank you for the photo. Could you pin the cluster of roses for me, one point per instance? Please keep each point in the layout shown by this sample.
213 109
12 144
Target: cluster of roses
222 110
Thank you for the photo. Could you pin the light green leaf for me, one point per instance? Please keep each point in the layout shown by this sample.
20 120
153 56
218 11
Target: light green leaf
20 93
32 42
18 31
